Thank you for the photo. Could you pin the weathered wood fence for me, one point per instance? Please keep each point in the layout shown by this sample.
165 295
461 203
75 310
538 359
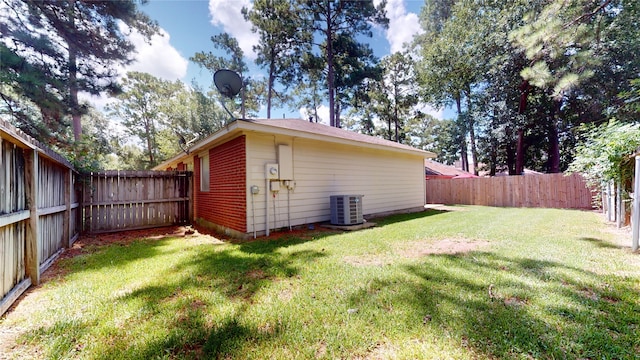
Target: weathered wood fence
45 204
38 211
119 200
535 191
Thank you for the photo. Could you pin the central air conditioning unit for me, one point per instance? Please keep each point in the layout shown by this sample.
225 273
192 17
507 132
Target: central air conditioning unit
346 209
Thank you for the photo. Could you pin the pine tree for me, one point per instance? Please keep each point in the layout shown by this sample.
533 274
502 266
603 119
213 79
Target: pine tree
232 60
282 40
73 45
339 21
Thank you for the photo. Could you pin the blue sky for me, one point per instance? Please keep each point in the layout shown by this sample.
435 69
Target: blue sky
187 27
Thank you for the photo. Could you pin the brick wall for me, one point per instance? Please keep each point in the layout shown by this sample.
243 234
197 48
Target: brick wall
225 203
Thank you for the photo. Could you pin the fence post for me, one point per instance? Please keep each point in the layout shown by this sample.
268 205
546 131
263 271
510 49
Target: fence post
66 222
636 208
619 204
191 192
32 261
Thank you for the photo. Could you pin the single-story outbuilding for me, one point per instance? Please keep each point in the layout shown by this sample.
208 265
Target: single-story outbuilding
253 176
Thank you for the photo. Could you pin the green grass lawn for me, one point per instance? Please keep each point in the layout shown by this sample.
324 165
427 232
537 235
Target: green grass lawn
527 283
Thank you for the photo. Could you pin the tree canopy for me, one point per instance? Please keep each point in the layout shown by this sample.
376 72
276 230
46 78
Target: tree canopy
533 84
57 49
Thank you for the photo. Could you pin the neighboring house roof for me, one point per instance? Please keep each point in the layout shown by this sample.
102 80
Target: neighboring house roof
524 172
301 129
436 168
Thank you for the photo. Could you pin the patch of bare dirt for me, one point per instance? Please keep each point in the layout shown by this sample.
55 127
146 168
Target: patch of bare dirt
256 274
416 249
379 352
515 301
321 350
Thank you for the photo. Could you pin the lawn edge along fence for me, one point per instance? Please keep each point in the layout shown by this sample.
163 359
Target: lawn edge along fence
557 191
39 211
45 204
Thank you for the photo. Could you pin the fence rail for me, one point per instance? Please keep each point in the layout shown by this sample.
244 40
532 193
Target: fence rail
45 203
117 200
536 191
36 209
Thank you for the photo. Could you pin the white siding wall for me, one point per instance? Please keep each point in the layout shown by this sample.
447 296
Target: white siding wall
389 181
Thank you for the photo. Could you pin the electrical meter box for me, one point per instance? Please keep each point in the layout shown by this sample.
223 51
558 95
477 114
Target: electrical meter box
272 172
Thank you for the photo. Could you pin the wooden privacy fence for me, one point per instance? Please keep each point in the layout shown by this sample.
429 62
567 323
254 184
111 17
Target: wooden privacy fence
38 211
119 200
534 191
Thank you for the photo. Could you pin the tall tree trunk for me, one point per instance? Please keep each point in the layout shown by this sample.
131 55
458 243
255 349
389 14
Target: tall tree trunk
522 107
73 78
472 134
474 152
330 70
520 153
552 133
494 158
395 110
270 90
464 159
511 155
149 130
395 120
337 106
73 96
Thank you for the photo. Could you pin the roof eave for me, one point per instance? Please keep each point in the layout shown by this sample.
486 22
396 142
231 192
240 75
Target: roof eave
251 126
239 125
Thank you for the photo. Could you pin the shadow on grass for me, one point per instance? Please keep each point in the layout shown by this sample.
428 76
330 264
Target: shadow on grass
495 306
232 275
271 245
600 243
392 219
500 307
117 255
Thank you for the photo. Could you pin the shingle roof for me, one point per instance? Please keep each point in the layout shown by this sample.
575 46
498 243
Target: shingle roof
322 129
442 169
298 128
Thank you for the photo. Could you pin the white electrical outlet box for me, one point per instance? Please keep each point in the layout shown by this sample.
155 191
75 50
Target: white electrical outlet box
272 172
275 186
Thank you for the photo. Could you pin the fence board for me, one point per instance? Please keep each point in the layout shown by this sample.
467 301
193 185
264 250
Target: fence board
546 191
116 201
13 214
34 203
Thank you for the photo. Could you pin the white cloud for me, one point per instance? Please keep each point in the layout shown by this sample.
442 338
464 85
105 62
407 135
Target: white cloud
402 25
99 102
323 114
228 14
436 113
158 58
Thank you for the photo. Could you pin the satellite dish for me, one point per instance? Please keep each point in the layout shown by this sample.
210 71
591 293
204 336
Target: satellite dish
228 82
183 143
